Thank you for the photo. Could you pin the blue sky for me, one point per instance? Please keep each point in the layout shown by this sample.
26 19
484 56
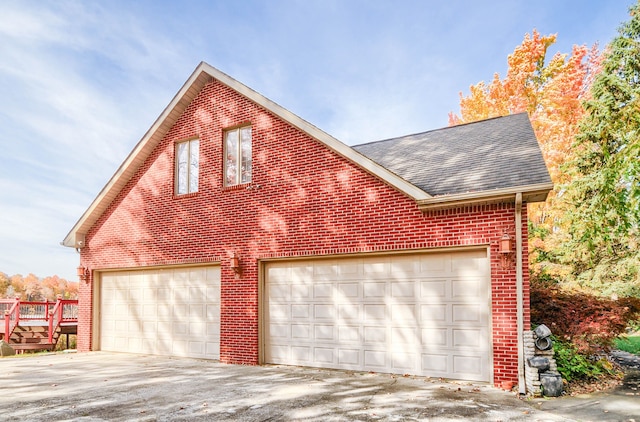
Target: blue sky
81 82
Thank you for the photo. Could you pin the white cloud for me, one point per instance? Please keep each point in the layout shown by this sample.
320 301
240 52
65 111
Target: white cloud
69 121
81 82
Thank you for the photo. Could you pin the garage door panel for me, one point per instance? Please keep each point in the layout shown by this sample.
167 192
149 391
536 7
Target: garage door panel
435 264
300 311
434 314
279 291
322 333
467 313
301 355
376 312
279 311
196 311
348 270
347 292
323 291
403 290
435 363
374 291
349 312
324 311
323 355
423 314
377 267
435 338
300 332
213 313
433 290
375 359
349 357
473 288
165 311
403 313
326 270
466 338
375 334
300 291
349 334
467 366
407 266
405 336
404 362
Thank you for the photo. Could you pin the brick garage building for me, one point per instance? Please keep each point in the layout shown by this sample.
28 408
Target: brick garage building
237 231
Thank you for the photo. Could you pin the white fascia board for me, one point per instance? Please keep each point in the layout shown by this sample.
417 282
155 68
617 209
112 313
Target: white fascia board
200 75
133 161
530 193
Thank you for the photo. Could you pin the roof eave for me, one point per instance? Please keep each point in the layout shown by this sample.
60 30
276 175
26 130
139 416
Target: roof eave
337 146
530 193
200 76
139 154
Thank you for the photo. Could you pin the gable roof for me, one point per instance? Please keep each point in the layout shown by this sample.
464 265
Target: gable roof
384 159
203 74
489 157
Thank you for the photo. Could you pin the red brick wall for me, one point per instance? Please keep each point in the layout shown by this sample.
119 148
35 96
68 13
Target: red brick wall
304 200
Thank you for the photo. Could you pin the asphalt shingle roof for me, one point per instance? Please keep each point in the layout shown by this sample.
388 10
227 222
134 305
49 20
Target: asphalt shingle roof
491 154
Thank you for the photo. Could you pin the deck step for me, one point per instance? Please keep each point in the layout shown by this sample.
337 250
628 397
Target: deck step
31 346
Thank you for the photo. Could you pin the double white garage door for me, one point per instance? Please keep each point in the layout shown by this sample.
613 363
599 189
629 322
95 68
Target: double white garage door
173 312
423 314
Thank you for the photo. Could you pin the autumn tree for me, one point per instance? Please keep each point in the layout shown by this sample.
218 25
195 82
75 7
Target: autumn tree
55 286
32 288
551 91
604 217
5 282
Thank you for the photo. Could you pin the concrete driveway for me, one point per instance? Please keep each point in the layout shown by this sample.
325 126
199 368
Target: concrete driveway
109 386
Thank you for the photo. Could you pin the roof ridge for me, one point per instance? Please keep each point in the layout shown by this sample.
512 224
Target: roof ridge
439 129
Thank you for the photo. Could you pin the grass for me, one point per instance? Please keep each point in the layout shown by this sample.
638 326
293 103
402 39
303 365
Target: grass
629 344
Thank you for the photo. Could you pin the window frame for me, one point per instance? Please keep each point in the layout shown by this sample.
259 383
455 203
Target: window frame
240 157
189 173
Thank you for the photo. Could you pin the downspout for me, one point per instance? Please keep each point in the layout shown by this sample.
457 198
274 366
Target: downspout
522 388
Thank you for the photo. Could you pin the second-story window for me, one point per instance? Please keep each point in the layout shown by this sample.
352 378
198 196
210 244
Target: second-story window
187 166
237 163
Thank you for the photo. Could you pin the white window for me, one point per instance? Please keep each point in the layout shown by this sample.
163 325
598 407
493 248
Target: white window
237 165
187 166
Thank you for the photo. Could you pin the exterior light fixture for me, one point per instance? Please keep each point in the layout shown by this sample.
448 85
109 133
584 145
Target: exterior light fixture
83 273
505 249
235 264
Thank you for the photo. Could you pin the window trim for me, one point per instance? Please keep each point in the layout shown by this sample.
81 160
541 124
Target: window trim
176 163
239 156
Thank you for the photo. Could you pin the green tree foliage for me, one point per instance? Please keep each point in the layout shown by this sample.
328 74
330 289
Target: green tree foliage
604 193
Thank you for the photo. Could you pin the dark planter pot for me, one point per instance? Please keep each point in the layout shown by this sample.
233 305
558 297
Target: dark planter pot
544 343
539 362
551 384
542 331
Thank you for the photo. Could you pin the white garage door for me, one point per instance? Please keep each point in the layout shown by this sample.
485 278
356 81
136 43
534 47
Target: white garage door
174 312
426 314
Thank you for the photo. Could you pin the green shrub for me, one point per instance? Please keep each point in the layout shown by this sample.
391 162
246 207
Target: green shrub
62 342
573 365
629 344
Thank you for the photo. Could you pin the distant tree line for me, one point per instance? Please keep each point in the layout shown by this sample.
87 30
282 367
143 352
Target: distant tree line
33 288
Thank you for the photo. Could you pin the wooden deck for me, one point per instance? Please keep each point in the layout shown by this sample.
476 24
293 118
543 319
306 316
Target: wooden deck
35 326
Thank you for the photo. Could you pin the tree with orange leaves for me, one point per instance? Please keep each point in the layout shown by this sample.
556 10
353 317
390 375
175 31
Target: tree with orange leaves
551 91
